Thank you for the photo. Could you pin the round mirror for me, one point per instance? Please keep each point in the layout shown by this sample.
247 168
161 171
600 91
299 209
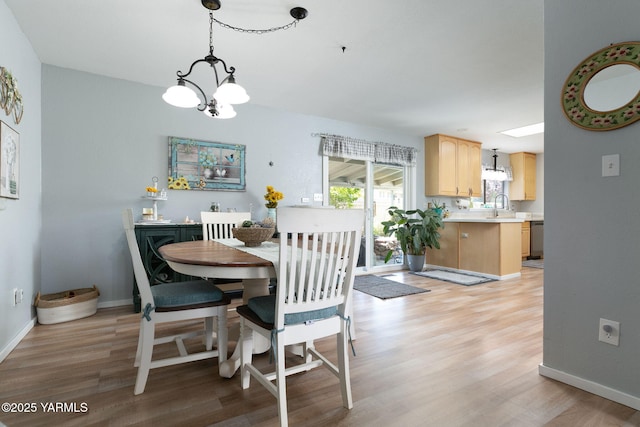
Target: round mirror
612 87
603 92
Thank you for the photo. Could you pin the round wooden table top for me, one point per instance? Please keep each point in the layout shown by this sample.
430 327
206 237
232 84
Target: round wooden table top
209 252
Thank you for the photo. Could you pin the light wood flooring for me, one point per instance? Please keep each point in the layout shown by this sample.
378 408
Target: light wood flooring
455 356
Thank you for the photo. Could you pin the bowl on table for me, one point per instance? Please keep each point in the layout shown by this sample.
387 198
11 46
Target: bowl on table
253 236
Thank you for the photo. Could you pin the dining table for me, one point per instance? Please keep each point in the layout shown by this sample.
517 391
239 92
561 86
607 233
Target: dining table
227 259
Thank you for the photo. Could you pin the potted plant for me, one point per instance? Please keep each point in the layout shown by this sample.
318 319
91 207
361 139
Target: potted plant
416 230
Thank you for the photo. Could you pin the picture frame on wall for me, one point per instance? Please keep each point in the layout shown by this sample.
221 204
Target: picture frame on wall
9 162
206 165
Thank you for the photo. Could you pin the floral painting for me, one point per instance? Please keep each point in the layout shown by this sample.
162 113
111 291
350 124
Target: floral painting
9 162
205 165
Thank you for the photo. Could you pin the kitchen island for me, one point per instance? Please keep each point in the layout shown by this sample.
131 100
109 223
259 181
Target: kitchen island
488 246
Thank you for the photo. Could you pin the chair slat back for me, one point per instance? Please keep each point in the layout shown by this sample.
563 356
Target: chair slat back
218 225
317 264
138 267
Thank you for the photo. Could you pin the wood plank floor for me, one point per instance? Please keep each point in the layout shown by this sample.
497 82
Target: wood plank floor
455 356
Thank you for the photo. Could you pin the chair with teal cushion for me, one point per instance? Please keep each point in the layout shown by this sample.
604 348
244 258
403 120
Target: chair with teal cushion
171 302
312 301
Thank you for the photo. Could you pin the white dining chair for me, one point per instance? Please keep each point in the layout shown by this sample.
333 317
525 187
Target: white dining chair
219 225
315 282
171 302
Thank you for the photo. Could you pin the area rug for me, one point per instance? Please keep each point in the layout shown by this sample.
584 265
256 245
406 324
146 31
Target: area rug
533 263
382 288
458 278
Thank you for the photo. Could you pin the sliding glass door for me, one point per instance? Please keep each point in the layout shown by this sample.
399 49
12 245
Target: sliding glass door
373 187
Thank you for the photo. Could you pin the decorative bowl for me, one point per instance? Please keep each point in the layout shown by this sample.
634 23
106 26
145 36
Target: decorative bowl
253 236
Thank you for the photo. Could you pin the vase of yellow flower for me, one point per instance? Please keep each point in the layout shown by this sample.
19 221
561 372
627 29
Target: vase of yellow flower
272 197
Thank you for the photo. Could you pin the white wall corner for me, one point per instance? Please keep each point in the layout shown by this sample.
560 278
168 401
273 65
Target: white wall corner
4 352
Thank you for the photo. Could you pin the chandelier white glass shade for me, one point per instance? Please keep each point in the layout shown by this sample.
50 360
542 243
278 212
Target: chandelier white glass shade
227 90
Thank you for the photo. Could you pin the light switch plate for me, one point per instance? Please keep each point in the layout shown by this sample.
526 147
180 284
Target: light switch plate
611 165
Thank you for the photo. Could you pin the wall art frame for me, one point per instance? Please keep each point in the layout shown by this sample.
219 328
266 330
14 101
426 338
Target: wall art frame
206 165
9 162
573 103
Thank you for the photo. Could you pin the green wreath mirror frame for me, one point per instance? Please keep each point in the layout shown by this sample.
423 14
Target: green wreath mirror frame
573 103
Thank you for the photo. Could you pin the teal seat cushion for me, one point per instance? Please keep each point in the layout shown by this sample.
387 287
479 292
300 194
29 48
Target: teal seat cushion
185 293
265 308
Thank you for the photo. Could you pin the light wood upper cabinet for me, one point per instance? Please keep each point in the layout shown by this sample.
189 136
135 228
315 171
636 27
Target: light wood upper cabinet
452 166
523 186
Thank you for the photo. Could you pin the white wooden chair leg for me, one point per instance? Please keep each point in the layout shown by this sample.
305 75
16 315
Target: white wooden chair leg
148 333
281 383
343 366
136 362
246 353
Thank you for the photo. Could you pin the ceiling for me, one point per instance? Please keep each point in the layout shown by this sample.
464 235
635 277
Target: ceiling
467 68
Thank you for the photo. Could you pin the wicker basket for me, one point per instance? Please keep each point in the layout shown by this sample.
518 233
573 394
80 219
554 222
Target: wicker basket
67 305
253 236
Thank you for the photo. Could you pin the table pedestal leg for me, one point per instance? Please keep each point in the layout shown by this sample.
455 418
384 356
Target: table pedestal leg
252 288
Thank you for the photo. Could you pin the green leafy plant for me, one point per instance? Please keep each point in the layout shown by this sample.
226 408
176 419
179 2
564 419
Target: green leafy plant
344 197
416 230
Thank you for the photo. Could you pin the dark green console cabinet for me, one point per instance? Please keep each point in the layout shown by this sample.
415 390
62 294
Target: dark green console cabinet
150 238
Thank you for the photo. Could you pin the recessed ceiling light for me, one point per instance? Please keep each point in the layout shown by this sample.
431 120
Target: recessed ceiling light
525 130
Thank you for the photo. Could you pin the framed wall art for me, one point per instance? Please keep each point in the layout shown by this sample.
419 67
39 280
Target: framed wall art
9 162
206 165
590 117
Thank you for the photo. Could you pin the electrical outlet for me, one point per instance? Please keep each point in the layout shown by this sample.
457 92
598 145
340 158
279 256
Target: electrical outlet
609 332
304 200
19 296
317 197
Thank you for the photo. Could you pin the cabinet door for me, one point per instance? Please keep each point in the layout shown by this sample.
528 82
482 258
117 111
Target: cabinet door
529 176
480 247
523 186
526 239
440 165
475 169
462 188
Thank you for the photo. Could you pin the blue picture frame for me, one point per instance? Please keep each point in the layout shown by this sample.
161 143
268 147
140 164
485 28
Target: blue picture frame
206 165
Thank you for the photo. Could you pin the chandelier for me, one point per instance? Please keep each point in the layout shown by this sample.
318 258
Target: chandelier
228 92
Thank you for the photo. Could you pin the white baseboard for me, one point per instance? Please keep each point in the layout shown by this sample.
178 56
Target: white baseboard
14 342
591 387
117 303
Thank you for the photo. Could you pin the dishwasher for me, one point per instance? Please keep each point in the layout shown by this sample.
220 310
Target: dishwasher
537 239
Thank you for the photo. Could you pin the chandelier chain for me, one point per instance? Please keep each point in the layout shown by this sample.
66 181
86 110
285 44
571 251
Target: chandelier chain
211 31
252 31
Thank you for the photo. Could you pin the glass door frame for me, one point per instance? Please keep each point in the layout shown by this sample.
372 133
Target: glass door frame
409 196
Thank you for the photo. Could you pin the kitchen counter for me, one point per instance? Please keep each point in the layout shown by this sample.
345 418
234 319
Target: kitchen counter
491 247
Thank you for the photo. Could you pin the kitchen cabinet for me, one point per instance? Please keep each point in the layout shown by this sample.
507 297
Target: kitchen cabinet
488 247
523 186
452 166
152 237
526 239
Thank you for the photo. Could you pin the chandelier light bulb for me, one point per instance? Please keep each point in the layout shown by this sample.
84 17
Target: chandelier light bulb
181 96
231 93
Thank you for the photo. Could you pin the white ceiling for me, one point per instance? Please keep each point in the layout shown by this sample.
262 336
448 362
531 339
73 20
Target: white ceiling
467 68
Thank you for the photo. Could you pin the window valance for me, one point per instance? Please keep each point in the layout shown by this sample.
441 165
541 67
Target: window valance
379 152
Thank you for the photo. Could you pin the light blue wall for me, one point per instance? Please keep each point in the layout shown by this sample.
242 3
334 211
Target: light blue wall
103 141
591 223
20 222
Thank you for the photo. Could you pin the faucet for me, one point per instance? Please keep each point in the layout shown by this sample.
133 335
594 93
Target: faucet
495 203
